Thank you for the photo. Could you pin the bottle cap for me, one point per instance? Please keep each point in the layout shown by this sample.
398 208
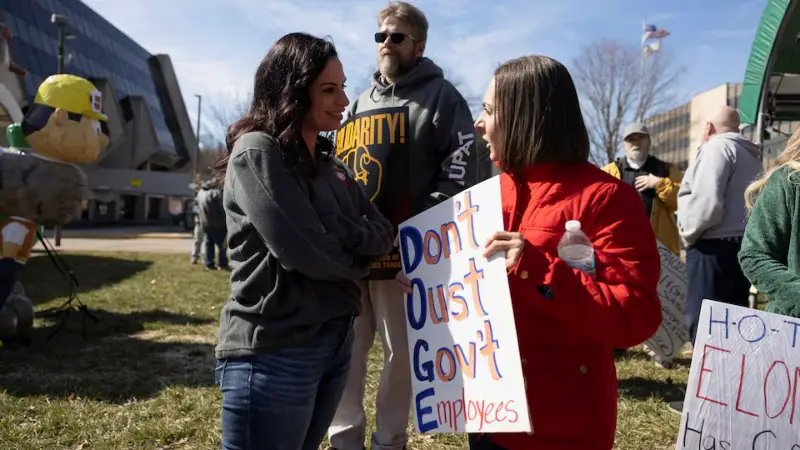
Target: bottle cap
573 225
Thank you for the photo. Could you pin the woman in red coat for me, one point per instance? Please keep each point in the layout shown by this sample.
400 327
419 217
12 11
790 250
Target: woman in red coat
567 321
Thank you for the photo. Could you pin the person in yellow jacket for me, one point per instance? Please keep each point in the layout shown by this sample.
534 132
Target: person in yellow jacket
657 182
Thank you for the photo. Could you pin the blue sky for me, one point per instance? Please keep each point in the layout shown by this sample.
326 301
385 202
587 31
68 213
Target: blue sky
216 45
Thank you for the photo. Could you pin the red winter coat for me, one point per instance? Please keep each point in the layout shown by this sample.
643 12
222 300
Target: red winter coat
567 322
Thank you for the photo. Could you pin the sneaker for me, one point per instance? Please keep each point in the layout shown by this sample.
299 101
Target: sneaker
661 362
676 407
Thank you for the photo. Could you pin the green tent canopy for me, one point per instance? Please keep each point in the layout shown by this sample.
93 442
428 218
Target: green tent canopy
772 78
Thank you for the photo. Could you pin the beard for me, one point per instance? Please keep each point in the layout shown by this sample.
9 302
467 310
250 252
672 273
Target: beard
393 66
637 154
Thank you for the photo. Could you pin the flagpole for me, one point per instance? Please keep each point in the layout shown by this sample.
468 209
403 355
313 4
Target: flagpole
643 55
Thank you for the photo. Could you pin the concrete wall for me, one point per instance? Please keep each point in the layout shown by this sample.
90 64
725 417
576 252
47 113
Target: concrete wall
669 133
116 118
175 184
175 112
703 106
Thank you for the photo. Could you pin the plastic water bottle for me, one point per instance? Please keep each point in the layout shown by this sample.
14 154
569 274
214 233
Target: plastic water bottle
576 249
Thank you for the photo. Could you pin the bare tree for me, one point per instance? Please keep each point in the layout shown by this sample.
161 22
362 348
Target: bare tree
211 150
223 112
608 75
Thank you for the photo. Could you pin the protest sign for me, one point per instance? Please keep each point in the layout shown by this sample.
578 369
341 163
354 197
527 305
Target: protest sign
672 334
465 366
743 385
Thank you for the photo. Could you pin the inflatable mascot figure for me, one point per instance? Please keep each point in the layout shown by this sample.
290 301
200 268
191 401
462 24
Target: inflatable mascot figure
39 183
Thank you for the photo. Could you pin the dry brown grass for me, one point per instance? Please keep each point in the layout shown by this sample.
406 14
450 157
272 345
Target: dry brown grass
143 376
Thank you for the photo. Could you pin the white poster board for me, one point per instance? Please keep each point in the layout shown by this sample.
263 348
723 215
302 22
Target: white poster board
673 333
743 386
466 373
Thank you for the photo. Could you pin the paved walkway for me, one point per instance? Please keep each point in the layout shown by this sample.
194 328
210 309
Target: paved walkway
150 245
149 232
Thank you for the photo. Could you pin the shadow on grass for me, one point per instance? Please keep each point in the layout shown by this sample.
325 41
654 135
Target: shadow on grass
123 356
645 388
635 354
43 282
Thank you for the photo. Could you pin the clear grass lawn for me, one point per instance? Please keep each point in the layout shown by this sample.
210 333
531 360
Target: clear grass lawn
142 377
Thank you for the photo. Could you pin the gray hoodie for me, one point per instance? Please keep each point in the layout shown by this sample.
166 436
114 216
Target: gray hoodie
296 247
210 210
410 144
711 197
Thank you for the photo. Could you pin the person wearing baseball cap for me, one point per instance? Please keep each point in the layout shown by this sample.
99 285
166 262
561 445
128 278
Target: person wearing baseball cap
657 182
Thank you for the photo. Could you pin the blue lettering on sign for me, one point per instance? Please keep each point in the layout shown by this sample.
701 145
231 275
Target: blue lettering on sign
424 371
430 425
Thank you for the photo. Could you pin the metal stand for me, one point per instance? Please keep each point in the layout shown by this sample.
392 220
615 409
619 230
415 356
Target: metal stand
73 303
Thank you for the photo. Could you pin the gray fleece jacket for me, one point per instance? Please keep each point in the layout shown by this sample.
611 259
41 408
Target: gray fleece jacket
297 246
711 197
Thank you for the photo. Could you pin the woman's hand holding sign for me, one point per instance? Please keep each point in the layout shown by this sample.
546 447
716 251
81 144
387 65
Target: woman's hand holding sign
506 241
502 241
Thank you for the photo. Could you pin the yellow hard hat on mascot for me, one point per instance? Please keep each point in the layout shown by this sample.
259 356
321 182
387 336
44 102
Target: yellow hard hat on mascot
65 121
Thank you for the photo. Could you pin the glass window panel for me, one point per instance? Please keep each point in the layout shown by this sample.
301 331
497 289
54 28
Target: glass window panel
11 22
50 5
23 9
23 30
33 35
48 64
48 46
51 44
82 63
28 57
19 52
40 17
58 7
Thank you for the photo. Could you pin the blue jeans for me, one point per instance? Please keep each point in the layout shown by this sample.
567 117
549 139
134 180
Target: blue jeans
216 239
10 271
714 273
285 400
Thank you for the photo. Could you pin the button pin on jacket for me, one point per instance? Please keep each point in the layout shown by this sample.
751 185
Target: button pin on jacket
583 370
524 274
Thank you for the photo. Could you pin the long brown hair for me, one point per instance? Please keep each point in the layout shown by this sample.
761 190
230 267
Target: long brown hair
281 100
538 114
790 157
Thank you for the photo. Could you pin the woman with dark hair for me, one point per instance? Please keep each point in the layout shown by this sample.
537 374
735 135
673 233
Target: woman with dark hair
300 233
568 321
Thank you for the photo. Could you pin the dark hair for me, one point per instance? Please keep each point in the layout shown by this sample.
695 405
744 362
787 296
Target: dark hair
281 100
538 115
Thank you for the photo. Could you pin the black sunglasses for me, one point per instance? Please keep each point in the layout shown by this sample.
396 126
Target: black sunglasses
397 38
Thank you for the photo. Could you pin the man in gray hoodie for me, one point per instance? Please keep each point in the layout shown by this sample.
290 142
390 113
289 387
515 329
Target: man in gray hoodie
211 215
410 141
712 215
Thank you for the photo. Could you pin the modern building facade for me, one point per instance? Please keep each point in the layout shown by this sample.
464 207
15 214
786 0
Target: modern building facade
145 173
669 135
676 134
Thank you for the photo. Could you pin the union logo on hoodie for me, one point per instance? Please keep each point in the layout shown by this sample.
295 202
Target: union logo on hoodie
375 145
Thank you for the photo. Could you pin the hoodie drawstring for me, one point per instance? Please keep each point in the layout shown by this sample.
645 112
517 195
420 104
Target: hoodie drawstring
376 100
